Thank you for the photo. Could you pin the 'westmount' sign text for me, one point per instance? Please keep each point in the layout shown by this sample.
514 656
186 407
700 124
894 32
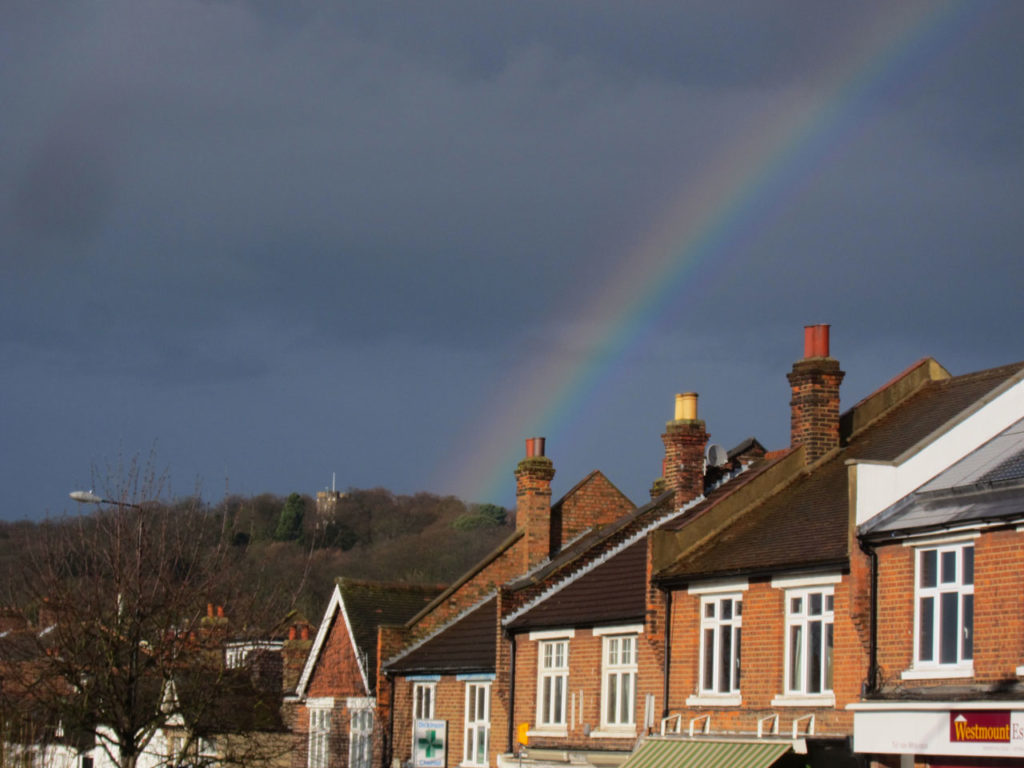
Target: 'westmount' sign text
980 726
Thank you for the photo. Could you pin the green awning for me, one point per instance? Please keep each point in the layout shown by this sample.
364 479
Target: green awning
678 753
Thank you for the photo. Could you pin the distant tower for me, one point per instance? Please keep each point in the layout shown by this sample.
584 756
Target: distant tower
327 501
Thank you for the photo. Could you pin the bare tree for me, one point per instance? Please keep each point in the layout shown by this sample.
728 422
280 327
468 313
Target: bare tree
121 641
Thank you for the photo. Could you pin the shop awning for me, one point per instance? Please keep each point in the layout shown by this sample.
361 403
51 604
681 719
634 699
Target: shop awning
678 753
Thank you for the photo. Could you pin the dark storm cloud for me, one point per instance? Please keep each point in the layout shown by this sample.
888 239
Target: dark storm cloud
272 220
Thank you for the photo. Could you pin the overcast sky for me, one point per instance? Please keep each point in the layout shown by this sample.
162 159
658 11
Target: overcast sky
274 243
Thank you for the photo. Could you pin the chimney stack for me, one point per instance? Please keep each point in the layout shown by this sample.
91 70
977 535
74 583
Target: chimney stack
685 439
533 501
814 409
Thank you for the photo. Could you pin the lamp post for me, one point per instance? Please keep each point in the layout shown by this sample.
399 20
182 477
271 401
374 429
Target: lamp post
88 497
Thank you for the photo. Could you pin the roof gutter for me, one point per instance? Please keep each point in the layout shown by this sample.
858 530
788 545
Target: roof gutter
682 580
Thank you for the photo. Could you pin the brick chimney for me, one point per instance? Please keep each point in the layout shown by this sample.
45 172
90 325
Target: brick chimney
533 501
814 409
293 655
685 439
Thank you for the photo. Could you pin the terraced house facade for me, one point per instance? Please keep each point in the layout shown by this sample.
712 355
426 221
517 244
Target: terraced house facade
763 608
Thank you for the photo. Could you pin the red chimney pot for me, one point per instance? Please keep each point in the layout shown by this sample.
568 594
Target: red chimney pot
535 447
816 341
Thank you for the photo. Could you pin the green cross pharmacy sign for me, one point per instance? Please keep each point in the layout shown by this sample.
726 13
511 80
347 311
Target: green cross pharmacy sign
429 740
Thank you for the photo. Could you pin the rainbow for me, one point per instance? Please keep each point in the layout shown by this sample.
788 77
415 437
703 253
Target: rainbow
739 193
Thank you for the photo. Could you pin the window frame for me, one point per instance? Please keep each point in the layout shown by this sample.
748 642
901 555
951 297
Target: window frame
803 620
962 664
548 677
361 724
419 690
613 668
719 626
319 740
476 724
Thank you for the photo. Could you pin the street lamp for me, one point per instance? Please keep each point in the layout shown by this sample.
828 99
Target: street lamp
88 497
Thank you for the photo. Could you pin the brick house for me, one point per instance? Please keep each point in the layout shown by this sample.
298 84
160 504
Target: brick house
948 650
614 632
775 568
334 710
569 644
451 666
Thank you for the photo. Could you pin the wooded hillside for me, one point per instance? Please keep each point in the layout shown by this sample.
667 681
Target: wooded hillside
291 553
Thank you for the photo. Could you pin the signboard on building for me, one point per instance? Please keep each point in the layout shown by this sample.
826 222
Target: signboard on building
429 743
967 732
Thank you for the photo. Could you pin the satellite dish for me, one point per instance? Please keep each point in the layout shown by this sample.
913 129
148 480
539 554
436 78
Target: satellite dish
717 455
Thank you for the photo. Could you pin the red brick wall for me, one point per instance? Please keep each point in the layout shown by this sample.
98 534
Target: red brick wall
762 663
450 706
337 671
584 684
998 614
595 501
503 568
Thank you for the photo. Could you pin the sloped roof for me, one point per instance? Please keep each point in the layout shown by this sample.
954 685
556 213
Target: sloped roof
1001 458
985 485
806 524
370 604
239 705
469 644
614 591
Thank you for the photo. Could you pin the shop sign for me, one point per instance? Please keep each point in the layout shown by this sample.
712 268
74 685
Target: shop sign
429 743
990 726
974 732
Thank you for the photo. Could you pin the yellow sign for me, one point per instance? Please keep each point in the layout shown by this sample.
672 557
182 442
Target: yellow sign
521 733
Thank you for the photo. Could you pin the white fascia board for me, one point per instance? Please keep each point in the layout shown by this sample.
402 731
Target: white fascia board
559 585
321 636
335 605
881 484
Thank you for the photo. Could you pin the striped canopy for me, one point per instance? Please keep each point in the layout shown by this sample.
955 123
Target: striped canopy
677 753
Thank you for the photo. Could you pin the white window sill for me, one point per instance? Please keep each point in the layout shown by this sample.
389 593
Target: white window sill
805 700
939 673
472 765
546 732
615 732
714 700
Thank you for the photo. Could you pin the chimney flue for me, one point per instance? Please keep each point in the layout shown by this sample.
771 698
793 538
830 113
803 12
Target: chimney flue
814 407
535 447
816 341
686 406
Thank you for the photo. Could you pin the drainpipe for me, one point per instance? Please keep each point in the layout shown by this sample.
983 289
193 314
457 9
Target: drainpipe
512 697
872 681
388 750
668 649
